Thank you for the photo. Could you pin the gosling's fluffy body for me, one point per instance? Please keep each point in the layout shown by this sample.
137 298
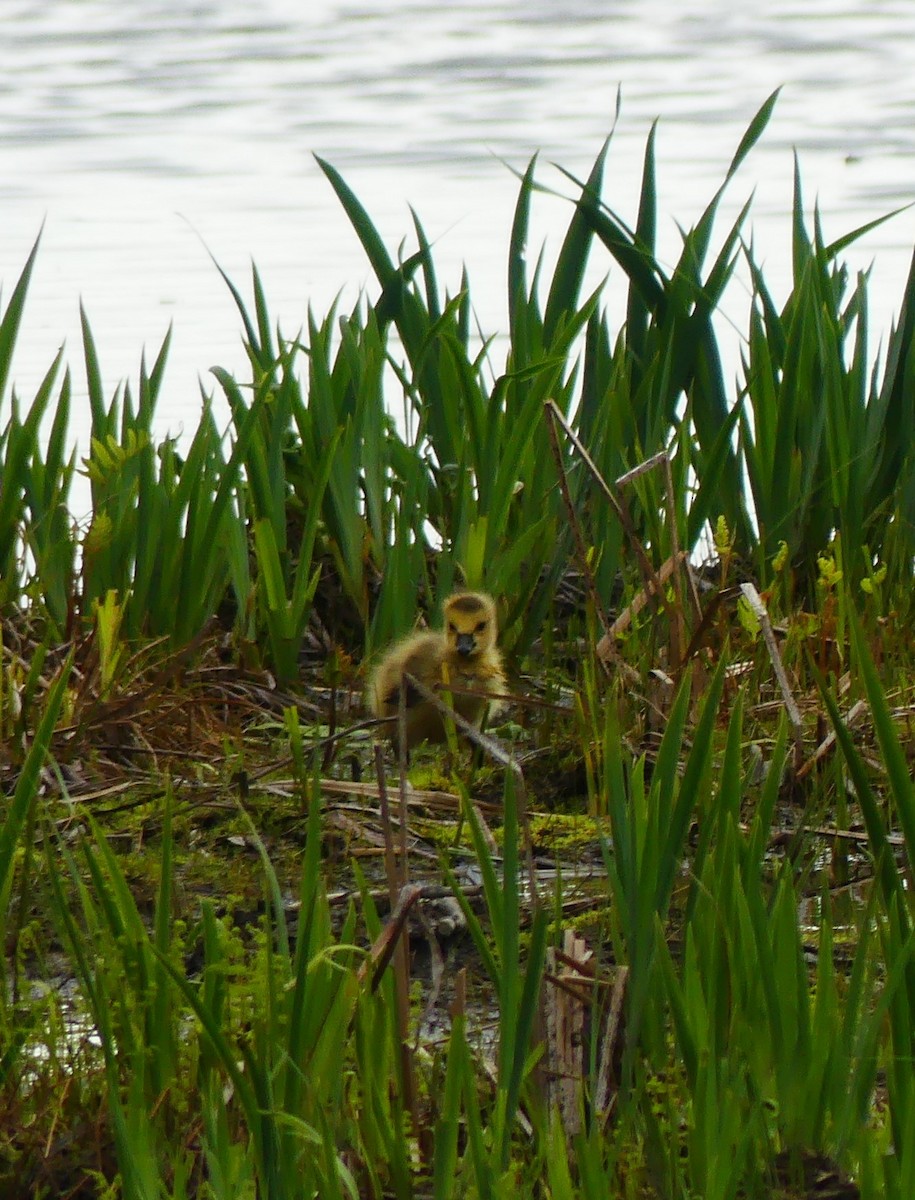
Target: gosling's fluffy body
462 656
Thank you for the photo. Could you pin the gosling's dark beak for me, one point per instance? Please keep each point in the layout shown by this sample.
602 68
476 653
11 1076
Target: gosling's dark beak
465 643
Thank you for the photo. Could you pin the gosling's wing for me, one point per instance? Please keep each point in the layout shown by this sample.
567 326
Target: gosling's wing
421 658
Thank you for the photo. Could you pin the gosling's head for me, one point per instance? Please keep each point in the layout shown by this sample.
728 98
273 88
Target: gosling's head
470 623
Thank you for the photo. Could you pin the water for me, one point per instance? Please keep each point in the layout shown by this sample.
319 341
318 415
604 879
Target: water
141 135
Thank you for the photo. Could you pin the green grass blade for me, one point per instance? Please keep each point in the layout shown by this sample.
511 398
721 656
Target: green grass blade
12 316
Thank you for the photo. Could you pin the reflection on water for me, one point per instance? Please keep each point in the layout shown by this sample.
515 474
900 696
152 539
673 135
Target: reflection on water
132 130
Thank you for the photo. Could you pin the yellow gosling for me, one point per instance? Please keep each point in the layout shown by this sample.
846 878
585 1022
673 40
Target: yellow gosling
463 655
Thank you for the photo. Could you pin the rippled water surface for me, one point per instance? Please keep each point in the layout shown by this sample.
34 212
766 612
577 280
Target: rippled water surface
144 135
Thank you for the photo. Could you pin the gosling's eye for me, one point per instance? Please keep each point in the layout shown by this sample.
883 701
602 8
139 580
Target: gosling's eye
480 627
451 628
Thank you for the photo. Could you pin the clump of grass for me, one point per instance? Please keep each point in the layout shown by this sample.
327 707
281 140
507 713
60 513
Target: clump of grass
272 1053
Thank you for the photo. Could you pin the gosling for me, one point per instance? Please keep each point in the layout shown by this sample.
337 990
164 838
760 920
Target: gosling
463 656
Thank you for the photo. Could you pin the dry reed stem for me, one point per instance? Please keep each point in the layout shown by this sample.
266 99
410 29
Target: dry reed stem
638 602
566 1007
584 561
653 591
857 710
794 713
607 1086
575 1013
617 503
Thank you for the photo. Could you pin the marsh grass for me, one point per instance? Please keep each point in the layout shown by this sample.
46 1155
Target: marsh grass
250 1040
